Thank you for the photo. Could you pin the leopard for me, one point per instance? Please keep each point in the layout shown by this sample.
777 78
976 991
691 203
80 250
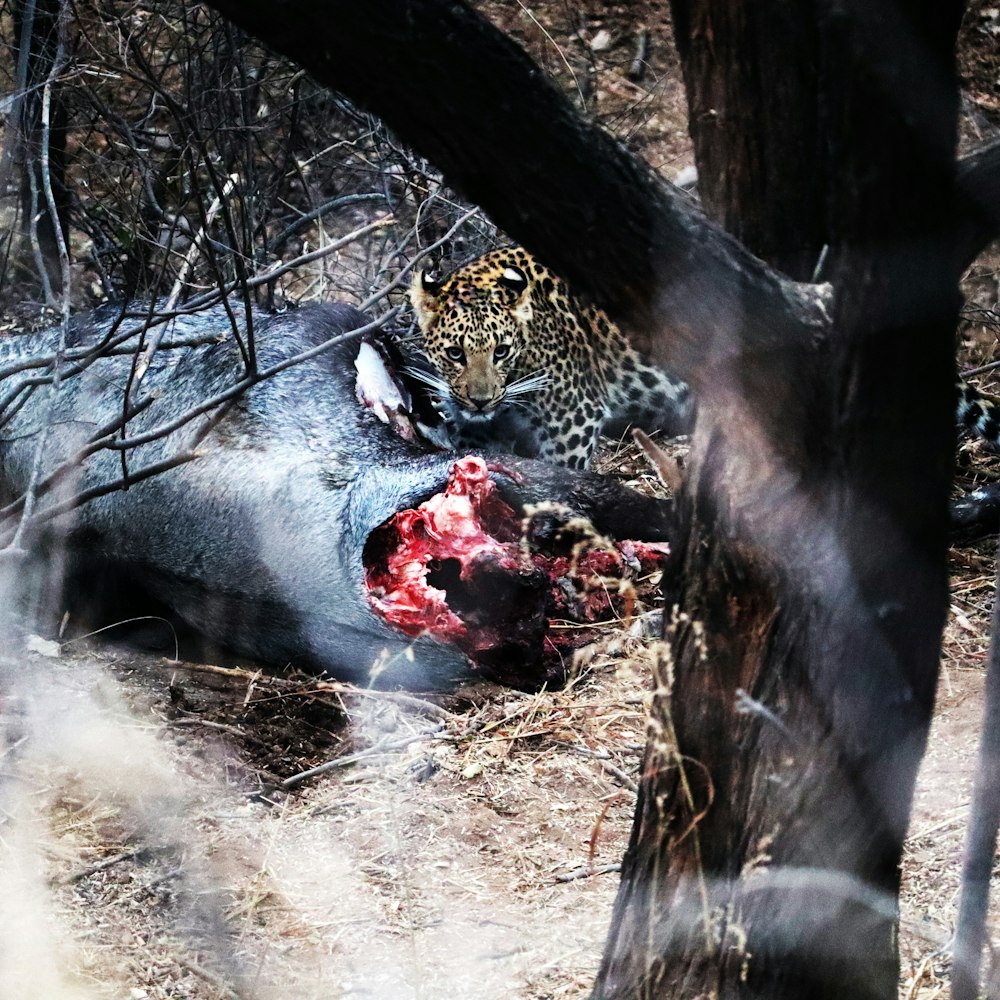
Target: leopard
514 354
517 358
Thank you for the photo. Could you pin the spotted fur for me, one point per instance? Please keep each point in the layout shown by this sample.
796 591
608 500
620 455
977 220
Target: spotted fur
514 352
977 414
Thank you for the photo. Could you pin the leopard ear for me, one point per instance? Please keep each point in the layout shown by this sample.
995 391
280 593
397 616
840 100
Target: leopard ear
514 278
430 283
423 294
517 281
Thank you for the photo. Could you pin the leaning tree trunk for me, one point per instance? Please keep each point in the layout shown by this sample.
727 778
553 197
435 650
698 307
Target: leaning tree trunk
795 689
798 682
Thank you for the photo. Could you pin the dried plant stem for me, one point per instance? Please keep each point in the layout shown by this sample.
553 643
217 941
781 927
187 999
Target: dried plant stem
14 540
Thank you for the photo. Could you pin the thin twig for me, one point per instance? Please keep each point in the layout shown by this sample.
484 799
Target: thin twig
88 354
164 430
747 705
637 68
100 866
145 357
383 746
248 382
222 727
216 982
663 465
408 268
126 621
154 469
604 759
311 216
50 201
30 493
982 369
313 686
981 835
579 873
71 465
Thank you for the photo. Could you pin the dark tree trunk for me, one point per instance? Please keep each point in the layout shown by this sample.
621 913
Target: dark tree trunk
979 194
764 860
762 167
809 589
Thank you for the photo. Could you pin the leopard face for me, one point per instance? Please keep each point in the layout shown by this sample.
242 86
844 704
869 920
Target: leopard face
475 327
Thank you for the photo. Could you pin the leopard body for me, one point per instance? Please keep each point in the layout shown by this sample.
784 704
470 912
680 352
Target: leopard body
517 356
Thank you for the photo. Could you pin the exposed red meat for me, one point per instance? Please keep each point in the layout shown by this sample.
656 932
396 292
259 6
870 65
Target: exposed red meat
454 567
592 586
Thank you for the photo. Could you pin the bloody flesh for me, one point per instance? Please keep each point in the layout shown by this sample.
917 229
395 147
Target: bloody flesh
452 567
455 567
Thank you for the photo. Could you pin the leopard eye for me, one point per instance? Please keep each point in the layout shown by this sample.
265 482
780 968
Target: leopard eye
501 351
455 354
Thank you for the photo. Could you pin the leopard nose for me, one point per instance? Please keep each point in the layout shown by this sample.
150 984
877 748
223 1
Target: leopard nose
480 403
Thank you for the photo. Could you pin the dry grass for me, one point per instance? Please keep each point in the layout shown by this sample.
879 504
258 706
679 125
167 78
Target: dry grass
155 866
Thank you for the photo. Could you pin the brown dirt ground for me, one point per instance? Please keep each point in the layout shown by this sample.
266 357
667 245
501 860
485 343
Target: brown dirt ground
147 847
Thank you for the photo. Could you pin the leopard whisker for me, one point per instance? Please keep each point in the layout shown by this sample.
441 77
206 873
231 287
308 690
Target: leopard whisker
523 403
429 379
528 383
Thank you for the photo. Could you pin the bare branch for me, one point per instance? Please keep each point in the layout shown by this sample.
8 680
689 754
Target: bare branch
30 492
238 388
981 837
33 520
278 243
106 439
688 293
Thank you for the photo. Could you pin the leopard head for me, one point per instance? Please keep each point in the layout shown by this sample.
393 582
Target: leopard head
474 325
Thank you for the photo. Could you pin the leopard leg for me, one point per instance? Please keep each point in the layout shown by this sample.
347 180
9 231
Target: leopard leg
570 443
581 457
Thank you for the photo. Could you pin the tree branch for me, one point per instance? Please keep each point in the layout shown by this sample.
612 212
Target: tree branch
981 836
578 193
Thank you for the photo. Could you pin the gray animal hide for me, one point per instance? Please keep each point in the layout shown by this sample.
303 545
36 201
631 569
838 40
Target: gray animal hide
258 543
